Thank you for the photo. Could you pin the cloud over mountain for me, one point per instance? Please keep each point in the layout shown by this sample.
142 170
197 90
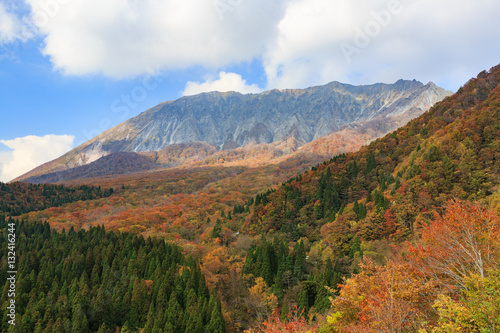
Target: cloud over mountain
31 151
226 82
298 43
365 41
122 38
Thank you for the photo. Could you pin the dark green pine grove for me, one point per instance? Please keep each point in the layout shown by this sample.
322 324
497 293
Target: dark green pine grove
97 281
282 269
20 198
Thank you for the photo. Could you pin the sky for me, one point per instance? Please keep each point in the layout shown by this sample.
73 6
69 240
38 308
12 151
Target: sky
70 69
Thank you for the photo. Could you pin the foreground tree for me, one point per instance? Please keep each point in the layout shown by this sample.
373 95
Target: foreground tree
461 242
391 298
477 309
451 282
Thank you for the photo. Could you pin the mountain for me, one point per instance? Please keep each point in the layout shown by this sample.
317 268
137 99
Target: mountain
271 237
195 127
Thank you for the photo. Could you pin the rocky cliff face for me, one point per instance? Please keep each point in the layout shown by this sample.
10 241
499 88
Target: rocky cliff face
230 120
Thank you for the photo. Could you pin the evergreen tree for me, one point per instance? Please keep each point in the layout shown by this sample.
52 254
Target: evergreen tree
217 323
217 229
126 328
299 266
150 321
102 328
79 320
355 248
371 164
57 295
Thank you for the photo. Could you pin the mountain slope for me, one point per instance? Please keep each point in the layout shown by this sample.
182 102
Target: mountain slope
368 204
225 121
110 165
228 120
452 151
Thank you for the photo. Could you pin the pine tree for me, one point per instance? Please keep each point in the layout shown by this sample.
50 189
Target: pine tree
299 266
216 323
284 311
217 229
368 196
138 302
175 313
355 248
58 326
126 328
79 320
102 328
307 296
371 164
150 321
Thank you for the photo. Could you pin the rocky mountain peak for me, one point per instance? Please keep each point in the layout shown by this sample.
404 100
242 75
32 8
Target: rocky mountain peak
230 120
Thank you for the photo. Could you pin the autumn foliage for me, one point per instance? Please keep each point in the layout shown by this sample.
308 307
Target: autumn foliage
294 323
378 221
390 298
448 284
464 240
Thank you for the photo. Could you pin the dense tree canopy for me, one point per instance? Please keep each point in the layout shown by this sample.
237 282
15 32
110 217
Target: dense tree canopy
20 198
94 280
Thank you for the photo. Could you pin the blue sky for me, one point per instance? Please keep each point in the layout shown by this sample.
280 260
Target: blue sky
70 69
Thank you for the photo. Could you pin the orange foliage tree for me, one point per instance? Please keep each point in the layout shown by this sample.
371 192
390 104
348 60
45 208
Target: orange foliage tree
295 323
390 298
465 240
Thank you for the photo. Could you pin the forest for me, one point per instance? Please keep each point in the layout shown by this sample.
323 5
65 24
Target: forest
21 198
97 281
402 235
414 215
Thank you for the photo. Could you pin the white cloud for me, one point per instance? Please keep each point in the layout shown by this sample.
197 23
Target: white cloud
226 82
31 151
11 27
298 41
446 41
123 38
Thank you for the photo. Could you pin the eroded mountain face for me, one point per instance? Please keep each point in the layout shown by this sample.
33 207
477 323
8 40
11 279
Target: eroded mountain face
231 120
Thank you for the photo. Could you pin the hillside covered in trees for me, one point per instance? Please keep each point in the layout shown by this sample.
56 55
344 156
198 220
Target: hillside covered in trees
389 203
97 281
452 151
21 198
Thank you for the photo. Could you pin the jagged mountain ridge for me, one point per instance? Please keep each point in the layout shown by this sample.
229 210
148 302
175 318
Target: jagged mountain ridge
231 120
